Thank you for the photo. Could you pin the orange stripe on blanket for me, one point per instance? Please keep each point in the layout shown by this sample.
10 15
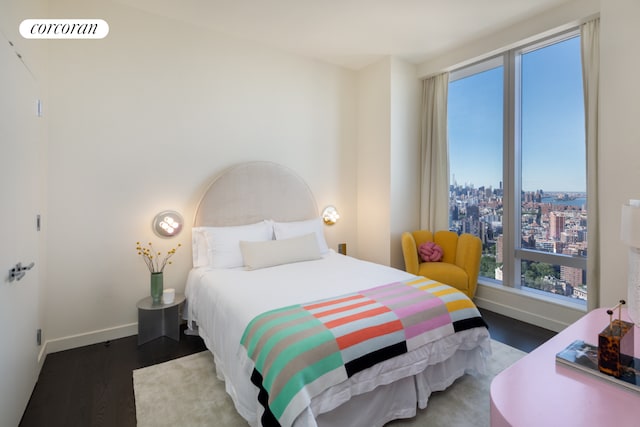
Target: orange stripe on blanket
447 291
331 302
345 308
460 304
353 317
359 336
421 280
431 285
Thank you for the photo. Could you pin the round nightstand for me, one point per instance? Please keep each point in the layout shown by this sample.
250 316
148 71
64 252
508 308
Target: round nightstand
157 320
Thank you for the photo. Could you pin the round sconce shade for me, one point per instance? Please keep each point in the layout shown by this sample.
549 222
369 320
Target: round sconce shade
330 215
168 223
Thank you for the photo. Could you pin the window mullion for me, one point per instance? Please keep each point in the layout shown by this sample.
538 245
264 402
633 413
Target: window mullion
511 269
552 258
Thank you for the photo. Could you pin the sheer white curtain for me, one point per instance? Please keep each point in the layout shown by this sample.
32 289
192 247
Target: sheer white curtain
590 37
434 195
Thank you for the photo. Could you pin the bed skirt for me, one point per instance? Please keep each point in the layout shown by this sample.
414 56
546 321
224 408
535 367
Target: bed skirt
401 398
385 402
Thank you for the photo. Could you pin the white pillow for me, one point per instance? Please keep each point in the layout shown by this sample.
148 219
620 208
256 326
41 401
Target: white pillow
199 247
287 230
277 252
224 242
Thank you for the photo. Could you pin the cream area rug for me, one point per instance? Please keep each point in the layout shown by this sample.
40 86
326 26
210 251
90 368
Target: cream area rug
186 392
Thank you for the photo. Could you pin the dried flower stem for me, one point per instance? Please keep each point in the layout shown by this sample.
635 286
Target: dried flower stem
153 259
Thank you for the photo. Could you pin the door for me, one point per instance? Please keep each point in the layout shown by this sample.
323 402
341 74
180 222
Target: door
21 169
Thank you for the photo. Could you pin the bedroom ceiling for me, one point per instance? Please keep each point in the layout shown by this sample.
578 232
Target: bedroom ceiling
353 33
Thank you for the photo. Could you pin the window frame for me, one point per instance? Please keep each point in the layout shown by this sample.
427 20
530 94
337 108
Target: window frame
513 253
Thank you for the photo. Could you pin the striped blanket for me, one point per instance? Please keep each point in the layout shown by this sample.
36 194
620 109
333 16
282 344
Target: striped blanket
301 350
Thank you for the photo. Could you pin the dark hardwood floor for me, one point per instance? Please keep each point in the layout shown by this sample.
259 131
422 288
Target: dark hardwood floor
93 385
515 333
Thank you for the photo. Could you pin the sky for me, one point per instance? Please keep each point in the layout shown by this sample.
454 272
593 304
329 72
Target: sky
553 148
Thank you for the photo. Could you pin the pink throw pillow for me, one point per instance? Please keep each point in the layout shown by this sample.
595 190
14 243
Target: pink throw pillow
430 252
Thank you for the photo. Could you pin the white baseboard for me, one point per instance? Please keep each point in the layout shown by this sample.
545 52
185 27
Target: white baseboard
516 304
87 338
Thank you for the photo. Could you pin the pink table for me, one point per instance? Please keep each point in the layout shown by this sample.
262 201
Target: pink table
535 391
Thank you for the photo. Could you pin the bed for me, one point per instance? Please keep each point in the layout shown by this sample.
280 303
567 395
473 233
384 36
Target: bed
259 255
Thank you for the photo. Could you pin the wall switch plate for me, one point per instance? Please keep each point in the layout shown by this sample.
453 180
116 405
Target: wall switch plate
342 248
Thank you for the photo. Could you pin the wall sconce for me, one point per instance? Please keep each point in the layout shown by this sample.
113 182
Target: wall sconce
630 234
167 223
330 215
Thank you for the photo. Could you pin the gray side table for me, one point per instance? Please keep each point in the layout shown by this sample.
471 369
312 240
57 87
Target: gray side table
159 320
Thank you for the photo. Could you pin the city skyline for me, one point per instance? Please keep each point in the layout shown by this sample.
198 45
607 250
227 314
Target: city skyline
454 181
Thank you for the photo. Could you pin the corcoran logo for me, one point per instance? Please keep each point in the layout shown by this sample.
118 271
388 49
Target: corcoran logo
64 29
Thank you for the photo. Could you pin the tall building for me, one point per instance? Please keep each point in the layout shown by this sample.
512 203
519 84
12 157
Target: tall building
571 275
556 225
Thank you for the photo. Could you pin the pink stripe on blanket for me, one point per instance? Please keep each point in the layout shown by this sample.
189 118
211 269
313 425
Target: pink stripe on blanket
406 300
385 289
419 306
427 325
381 293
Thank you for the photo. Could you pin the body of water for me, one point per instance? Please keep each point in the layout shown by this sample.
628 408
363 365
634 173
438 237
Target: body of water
579 201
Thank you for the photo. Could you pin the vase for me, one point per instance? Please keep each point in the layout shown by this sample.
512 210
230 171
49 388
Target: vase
157 286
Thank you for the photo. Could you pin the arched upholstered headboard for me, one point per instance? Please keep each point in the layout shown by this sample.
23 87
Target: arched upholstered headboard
253 191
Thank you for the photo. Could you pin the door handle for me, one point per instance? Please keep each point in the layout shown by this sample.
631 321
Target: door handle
18 272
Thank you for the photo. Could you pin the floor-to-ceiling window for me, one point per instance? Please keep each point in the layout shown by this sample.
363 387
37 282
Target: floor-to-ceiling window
518 168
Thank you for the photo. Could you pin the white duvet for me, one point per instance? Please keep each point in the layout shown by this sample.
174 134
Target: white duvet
224 301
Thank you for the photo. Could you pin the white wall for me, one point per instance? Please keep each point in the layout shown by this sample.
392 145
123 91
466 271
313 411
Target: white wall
618 172
373 166
388 140
406 92
141 121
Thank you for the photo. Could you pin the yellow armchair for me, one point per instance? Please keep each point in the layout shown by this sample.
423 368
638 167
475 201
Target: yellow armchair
460 263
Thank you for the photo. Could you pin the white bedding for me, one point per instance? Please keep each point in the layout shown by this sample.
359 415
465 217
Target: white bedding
224 301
